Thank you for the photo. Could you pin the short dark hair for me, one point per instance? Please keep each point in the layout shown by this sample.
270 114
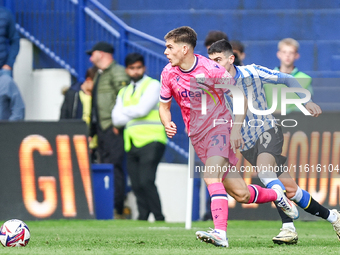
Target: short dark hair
221 46
91 72
214 36
133 58
237 45
182 34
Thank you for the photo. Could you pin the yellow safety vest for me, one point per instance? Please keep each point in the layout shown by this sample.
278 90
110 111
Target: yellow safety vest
144 130
86 101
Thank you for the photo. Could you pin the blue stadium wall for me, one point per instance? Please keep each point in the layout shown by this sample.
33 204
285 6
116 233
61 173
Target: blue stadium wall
258 24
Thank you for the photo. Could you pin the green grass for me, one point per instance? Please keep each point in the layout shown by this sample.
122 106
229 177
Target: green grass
133 237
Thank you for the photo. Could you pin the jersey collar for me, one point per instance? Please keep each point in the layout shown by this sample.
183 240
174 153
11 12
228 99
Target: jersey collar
191 68
237 75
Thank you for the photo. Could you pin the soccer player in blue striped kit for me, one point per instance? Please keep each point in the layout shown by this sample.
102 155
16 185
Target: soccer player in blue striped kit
263 144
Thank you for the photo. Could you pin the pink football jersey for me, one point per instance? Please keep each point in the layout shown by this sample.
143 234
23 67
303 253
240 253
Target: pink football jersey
195 92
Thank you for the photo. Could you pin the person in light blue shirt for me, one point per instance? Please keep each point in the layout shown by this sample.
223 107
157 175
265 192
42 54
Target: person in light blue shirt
12 106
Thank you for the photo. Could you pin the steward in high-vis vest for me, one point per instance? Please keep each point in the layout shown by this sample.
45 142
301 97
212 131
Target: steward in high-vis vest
144 135
142 130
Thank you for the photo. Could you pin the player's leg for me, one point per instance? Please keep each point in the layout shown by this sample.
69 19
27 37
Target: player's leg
215 152
219 202
268 156
266 163
237 188
259 155
303 199
288 234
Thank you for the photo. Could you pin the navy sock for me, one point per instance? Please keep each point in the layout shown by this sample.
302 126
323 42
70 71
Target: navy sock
316 209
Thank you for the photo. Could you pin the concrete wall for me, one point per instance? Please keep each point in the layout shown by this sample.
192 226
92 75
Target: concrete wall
40 89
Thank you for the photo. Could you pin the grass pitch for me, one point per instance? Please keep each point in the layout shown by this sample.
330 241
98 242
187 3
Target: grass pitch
134 237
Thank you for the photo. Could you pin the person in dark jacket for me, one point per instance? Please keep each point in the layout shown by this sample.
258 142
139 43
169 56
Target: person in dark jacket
109 79
72 107
9 41
77 105
12 106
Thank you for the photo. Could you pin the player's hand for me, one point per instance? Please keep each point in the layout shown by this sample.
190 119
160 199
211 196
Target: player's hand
314 109
236 140
170 129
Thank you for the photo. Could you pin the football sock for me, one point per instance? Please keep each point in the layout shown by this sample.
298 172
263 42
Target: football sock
269 179
270 184
289 225
298 195
223 234
332 217
261 195
316 209
303 199
219 205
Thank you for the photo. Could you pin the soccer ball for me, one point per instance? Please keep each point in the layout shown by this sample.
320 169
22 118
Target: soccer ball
14 233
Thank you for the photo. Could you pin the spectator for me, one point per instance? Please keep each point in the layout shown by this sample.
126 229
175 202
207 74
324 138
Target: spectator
77 105
288 53
9 41
75 99
238 50
213 36
144 134
12 106
109 79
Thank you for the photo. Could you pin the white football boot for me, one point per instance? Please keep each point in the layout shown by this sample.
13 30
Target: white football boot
286 236
336 224
213 237
285 204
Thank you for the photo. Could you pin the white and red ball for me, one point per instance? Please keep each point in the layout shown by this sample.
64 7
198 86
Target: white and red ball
14 233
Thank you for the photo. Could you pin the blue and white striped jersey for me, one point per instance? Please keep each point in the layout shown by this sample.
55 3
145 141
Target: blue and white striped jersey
250 79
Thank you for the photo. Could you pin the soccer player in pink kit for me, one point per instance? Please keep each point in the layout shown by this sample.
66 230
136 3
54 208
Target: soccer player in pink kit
186 78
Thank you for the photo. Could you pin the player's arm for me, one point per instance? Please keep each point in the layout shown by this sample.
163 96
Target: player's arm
165 115
236 139
275 77
291 82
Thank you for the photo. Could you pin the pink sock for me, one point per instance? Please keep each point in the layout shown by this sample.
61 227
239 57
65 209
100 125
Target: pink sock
219 205
261 195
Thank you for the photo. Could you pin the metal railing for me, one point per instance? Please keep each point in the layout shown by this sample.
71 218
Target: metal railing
64 29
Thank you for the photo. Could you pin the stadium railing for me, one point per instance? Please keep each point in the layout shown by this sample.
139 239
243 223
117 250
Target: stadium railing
64 29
